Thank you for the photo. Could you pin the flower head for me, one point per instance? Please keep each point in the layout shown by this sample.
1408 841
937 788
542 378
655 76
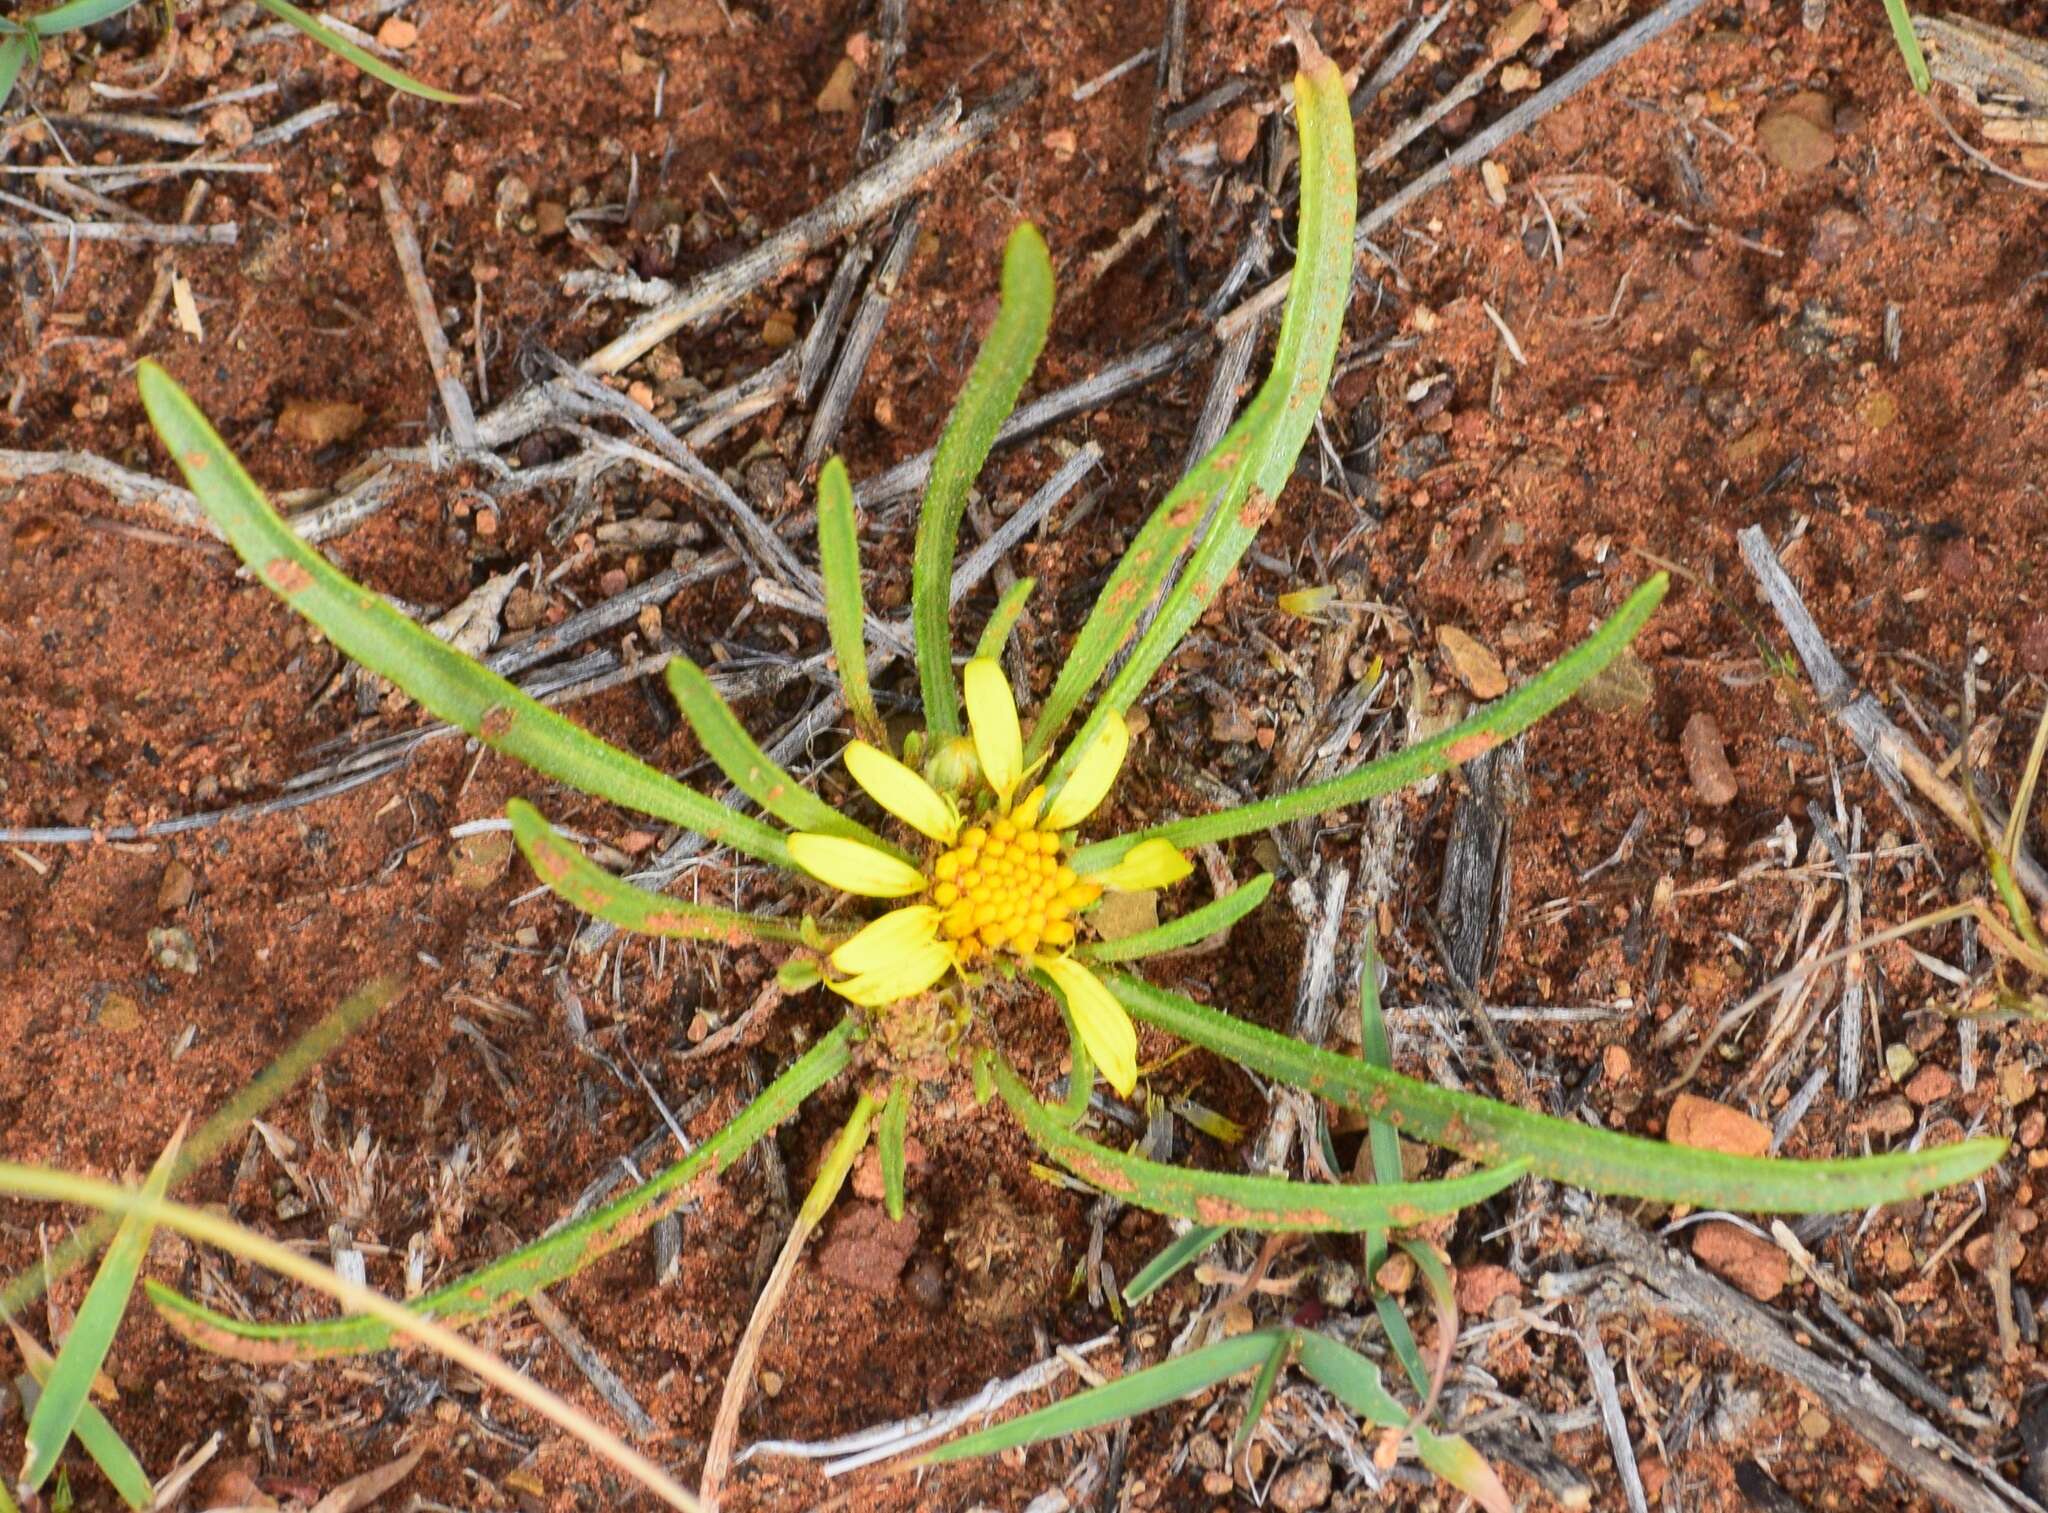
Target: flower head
996 890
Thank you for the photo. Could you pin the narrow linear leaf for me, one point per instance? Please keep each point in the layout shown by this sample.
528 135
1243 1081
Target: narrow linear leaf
445 682
1237 486
15 51
1499 721
532 1267
845 606
1599 1161
106 1447
889 1141
368 62
1190 928
1384 1143
1265 1203
1909 44
750 769
576 879
1179 1253
1126 1397
1080 1064
78 13
92 1333
997 378
1261 1394
1003 619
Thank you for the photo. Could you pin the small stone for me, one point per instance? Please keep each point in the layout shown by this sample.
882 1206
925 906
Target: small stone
525 608
173 949
1479 1287
1888 1116
397 33
868 1249
1519 79
231 126
1477 668
1899 1061
513 194
837 98
771 1383
458 189
1062 144
1740 1258
1797 136
119 1013
926 1283
387 148
1706 760
174 889
550 218
779 330
1815 1424
478 861
320 422
1930 1084
1958 561
1231 726
1835 232
1616 1064
2015 1083
1706 1125
1302 1488
681 18
1238 135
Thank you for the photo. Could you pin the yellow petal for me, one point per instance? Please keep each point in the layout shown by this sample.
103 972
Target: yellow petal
1099 1019
907 977
902 792
992 716
854 867
889 939
1149 864
1088 784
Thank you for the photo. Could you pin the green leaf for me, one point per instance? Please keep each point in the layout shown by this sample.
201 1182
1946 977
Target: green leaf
368 62
572 876
106 1447
1235 487
1265 1203
1191 927
1126 1397
1384 1141
845 608
1909 44
1596 1160
752 770
1003 619
889 1137
66 18
1497 722
543 1263
991 391
1262 1393
15 51
1178 1254
92 1333
445 682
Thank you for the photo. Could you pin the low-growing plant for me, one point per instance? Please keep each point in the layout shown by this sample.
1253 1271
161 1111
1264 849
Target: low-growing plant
22 38
975 848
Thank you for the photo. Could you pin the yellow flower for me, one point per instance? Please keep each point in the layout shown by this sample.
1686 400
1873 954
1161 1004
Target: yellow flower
996 889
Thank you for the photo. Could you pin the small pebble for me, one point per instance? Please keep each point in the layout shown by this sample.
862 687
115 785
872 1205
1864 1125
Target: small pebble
397 33
1930 1084
1477 668
1302 1488
1706 1125
1740 1258
1706 760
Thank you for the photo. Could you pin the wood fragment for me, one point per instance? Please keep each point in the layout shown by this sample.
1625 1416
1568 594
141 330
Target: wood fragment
441 362
583 1355
868 320
142 233
873 193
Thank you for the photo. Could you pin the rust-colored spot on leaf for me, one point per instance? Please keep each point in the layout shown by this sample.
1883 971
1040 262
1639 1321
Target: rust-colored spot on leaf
286 576
196 460
1258 509
1098 1173
550 863
1213 1210
1477 744
497 720
211 1337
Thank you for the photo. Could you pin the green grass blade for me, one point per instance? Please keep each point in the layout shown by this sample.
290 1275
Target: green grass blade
79 13
1003 619
1195 925
1499 721
1264 1203
1126 1397
108 1450
572 876
1384 1142
752 770
368 62
445 682
1238 485
1909 44
889 1138
1261 1394
845 606
92 1334
1352 1378
543 1263
991 391
1596 1160
1181 1252
15 51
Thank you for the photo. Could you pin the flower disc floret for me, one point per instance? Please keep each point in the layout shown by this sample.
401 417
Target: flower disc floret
1003 887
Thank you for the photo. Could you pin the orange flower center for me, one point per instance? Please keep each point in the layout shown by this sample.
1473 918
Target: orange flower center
1003 887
